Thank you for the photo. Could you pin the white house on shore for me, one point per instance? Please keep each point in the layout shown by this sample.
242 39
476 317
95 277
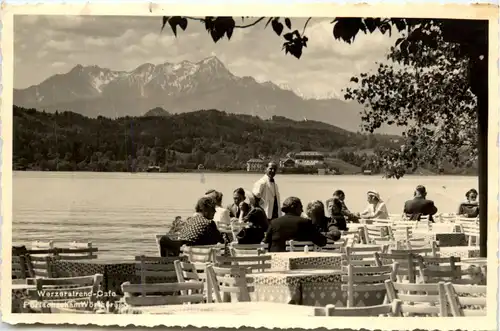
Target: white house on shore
255 165
309 158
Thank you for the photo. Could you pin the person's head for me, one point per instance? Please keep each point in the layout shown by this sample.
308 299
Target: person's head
373 197
238 196
252 200
420 192
339 194
271 169
292 205
206 207
335 206
216 195
315 210
178 218
471 195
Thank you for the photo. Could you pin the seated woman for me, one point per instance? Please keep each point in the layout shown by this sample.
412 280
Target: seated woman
292 226
200 230
255 220
469 208
315 211
376 207
338 218
222 214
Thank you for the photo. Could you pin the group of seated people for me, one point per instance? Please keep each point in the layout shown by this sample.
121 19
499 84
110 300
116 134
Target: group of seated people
314 224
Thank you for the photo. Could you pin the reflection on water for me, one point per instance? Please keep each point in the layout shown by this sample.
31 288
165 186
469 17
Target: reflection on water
121 212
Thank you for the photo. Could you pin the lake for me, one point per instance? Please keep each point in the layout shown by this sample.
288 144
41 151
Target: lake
121 212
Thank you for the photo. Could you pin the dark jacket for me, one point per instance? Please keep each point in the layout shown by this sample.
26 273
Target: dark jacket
257 225
468 209
420 207
291 227
234 210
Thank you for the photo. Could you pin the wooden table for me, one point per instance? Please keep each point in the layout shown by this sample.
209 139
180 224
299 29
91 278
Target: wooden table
301 260
229 309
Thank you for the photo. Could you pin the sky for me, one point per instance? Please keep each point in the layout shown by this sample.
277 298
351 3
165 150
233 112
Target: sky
49 45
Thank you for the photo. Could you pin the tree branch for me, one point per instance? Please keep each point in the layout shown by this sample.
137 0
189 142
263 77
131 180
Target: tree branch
305 26
249 25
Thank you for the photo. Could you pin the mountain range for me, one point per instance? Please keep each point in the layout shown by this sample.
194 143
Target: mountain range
178 88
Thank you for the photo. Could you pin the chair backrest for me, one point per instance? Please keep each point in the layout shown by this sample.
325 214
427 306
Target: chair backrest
203 254
247 249
465 300
331 245
432 250
366 279
400 232
375 231
408 265
229 283
78 251
157 240
418 243
73 289
41 266
298 246
259 263
42 244
20 267
437 269
162 293
419 299
363 255
471 231
151 267
392 310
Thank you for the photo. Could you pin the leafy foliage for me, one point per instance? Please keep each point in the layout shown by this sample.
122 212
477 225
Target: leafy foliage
429 95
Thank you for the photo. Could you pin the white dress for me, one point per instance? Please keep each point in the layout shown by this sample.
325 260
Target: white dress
371 210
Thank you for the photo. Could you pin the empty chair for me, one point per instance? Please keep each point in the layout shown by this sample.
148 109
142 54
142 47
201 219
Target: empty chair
419 299
408 265
258 263
35 245
466 300
366 279
78 251
471 231
153 269
80 290
247 249
390 310
20 267
299 246
229 283
370 232
400 232
204 254
162 293
431 250
363 255
353 236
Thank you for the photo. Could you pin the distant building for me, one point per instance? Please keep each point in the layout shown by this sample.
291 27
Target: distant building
255 165
367 172
309 158
287 163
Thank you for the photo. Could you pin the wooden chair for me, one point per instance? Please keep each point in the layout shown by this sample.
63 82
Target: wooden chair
81 290
161 268
437 269
366 279
42 245
162 293
353 236
418 243
419 299
432 250
363 255
400 232
371 232
247 249
229 283
338 246
258 263
189 272
21 268
473 303
391 310
202 254
299 246
408 265
471 231
78 251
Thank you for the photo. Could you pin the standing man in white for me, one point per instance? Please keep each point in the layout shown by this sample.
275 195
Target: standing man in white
266 190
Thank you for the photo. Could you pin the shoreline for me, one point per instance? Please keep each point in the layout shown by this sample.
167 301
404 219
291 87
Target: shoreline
208 171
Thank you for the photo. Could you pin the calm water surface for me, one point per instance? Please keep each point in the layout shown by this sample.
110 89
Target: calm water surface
121 212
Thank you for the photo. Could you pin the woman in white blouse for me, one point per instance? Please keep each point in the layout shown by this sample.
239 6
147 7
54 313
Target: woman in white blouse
376 207
221 214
